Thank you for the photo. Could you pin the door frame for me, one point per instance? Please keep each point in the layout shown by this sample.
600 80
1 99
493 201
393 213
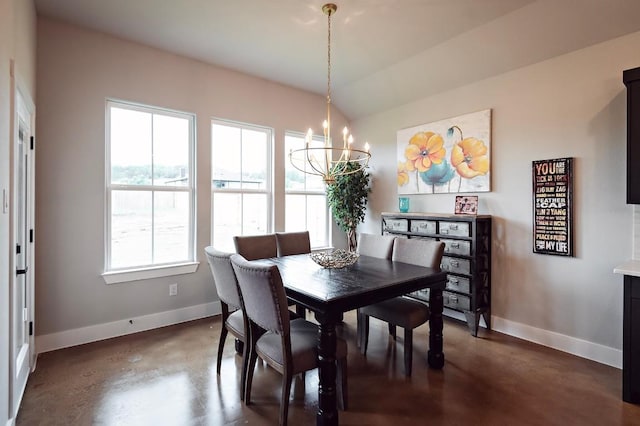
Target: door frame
20 97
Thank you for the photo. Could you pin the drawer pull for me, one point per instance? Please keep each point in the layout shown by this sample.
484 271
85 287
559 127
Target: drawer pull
454 281
455 245
444 231
453 226
455 263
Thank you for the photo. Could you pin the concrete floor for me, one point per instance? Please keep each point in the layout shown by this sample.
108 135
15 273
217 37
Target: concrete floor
167 377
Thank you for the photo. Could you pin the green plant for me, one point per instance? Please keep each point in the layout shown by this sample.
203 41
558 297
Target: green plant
347 198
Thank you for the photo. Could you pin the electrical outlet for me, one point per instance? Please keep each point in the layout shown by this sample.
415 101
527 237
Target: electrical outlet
173 289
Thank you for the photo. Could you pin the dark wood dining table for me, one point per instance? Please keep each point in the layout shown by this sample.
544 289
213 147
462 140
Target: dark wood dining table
328 293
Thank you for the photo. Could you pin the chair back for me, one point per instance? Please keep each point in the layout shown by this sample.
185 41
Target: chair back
426 253
293 243
373 245
263 295
223 276
253 247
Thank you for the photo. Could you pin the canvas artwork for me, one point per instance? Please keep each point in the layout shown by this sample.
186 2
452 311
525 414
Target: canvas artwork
446 156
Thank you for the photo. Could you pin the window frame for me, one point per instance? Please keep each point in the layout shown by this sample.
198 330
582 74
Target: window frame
328 223
115 275
270 167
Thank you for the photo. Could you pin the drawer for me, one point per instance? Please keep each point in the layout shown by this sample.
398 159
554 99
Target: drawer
421 294
398 225
456 301
457 247
459 229
417 237
452 264
423 226
457 283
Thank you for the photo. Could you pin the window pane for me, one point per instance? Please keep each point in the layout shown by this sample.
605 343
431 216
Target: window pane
254 159
254 217
317 220
225 156
130 228
294 178
170 150
170 227
295 213
227 209
130 147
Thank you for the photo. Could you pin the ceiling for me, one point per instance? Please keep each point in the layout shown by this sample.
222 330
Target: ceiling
385 53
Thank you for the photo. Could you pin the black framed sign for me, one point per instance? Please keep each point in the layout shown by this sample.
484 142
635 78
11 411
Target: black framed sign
553 206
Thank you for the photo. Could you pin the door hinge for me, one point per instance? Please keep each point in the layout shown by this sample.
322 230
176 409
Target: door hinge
22 271
30 235
18 249
33 140
30 328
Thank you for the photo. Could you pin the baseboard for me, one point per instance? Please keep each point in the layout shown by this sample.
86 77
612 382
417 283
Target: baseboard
582 348
11 422
94 333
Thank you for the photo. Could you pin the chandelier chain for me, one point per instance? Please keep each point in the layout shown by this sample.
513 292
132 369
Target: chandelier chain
329 58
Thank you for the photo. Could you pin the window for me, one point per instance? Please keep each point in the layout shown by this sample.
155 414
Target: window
150 187
241 181
305 197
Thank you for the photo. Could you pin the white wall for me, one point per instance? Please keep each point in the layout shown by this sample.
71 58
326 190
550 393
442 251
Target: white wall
77 71
570 106
17 43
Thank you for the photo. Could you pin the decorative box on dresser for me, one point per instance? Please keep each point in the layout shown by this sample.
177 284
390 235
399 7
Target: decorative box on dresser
467 258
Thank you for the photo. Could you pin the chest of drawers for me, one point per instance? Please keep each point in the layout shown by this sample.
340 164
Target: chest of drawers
467 258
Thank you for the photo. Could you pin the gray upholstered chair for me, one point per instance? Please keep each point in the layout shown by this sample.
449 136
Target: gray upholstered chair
293 243
401 311
226 284
253 247
372 245
289 346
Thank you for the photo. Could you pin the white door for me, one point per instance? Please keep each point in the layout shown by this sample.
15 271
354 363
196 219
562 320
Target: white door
22 282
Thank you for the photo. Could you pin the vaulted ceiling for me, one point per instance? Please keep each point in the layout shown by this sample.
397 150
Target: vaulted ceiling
384 52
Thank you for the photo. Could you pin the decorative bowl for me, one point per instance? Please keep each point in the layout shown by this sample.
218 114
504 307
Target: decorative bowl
334 259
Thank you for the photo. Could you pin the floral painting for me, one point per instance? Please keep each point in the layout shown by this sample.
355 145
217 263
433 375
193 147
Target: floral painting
451 155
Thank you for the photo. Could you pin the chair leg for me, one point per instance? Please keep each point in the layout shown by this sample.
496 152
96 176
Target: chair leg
392 331
286 390
408 351
358 328
251 366
342 385
365 334
223 336
243 376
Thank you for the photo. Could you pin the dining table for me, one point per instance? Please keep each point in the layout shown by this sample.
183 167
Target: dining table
330 292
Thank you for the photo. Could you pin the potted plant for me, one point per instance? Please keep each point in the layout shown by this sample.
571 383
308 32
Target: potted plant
347 198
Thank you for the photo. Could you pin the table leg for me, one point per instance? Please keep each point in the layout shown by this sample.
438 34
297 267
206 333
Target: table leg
435 356
327 407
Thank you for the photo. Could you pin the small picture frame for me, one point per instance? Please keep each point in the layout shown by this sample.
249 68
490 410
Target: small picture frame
466 204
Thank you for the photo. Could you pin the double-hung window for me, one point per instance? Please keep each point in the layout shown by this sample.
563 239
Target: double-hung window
241 181
150 190
305 197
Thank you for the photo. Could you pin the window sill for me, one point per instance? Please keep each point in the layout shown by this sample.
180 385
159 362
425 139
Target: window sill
115 277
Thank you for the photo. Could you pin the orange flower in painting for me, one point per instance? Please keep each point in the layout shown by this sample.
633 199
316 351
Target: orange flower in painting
469 157
403 176
424 149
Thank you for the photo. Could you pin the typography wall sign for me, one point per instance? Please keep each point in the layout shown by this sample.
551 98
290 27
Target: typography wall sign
553 206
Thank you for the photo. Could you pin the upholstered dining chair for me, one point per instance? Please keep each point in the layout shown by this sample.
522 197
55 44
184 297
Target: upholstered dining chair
288 346
401 311
289 243
253 247
226 284
372 245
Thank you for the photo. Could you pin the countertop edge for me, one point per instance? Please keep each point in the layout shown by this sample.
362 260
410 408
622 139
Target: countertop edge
630 267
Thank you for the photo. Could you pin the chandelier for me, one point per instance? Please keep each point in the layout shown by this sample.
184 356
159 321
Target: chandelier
324 159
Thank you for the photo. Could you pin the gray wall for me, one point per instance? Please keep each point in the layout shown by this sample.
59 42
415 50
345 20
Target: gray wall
570 106
77 71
